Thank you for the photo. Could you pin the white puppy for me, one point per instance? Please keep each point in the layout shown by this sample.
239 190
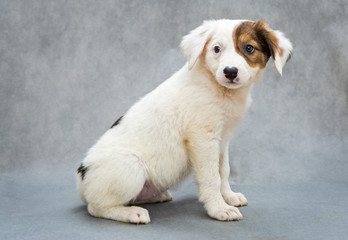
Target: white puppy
183 125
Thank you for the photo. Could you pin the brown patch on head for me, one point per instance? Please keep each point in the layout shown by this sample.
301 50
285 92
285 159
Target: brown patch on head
260 37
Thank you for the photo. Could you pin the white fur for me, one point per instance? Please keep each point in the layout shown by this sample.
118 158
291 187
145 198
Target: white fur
184 124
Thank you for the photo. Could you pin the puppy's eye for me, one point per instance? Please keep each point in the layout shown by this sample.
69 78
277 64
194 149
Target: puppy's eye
249 49
217 49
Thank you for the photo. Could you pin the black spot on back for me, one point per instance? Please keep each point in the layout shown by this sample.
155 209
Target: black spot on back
117 122
82 170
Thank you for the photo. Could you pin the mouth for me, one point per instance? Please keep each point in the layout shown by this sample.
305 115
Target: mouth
234 81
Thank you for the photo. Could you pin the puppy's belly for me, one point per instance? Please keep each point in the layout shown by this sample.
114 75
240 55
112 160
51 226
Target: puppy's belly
167 168
148 192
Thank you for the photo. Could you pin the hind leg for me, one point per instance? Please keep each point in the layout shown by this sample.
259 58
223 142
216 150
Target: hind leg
112 184
131 214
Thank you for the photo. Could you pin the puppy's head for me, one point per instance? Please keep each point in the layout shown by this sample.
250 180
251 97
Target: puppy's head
235 51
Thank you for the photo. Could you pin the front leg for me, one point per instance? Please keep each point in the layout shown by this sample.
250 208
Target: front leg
204 156
230 197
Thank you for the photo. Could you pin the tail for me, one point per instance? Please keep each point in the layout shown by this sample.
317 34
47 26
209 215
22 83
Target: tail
80 175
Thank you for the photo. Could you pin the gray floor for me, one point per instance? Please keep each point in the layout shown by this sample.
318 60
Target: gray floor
47 207
69 69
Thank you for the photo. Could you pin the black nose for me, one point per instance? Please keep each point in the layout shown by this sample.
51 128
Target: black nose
231 72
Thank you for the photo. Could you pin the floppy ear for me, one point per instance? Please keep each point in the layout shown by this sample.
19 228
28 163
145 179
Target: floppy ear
280 47
283 53
193 43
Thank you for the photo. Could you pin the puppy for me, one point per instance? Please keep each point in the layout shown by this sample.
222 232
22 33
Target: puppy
183 125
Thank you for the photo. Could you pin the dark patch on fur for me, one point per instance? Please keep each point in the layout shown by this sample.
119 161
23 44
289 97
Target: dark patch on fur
117 122
82 170
260 36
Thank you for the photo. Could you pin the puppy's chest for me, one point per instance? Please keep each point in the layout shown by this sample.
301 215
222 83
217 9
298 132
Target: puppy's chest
233 113
235 109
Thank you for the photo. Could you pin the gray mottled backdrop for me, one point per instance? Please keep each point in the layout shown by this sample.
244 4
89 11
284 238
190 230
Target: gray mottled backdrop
69 69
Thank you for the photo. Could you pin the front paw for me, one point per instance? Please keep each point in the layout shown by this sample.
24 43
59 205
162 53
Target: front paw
227 213
235 199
